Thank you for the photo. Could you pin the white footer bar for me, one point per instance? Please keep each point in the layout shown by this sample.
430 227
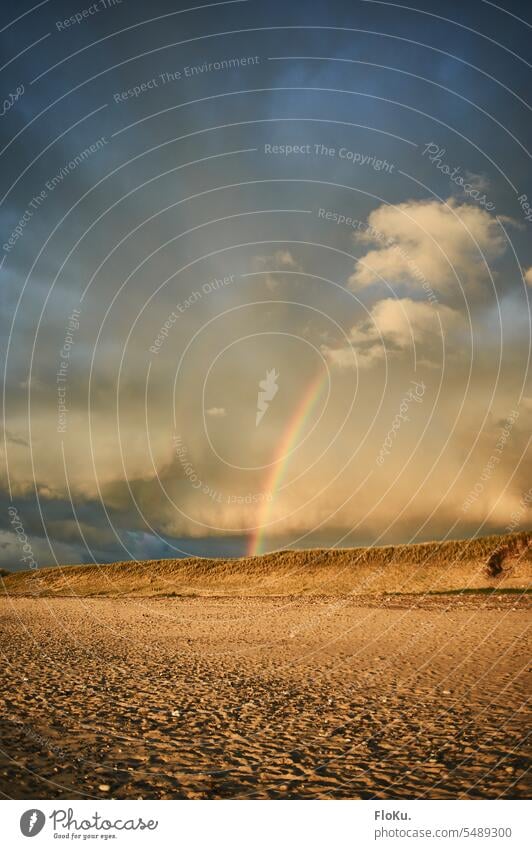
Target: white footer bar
266 824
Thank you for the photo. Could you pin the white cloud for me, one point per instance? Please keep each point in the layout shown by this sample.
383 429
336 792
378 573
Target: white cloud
428 243
281 260
394 325
285 259
405 322
353 357
480 182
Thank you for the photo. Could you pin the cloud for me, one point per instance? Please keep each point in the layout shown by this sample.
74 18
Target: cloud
479 181
281 260
14 438
349 357
286 260
428 244
216 412
395 325
12 553
405 322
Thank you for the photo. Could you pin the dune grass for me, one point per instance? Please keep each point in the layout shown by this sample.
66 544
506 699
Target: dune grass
437 567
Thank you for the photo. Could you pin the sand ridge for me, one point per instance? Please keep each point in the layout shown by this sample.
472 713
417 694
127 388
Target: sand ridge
503 561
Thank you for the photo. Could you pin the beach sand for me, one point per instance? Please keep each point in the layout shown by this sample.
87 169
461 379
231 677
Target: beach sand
294 697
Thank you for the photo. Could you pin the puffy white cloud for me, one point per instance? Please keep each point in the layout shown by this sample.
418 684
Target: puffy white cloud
405 322
394 325
428 244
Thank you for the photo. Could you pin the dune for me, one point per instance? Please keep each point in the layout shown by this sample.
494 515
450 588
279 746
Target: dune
371 673
501 562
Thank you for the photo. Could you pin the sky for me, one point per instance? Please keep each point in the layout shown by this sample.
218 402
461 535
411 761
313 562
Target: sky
266 274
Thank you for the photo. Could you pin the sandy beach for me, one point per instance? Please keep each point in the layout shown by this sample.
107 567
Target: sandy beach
293 697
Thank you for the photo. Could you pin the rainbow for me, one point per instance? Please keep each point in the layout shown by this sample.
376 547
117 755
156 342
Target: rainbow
280 465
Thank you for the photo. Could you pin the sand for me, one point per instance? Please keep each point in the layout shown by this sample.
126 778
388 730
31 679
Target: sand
294 697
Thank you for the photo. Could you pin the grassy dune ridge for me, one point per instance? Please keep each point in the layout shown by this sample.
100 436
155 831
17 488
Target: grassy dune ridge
502 562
